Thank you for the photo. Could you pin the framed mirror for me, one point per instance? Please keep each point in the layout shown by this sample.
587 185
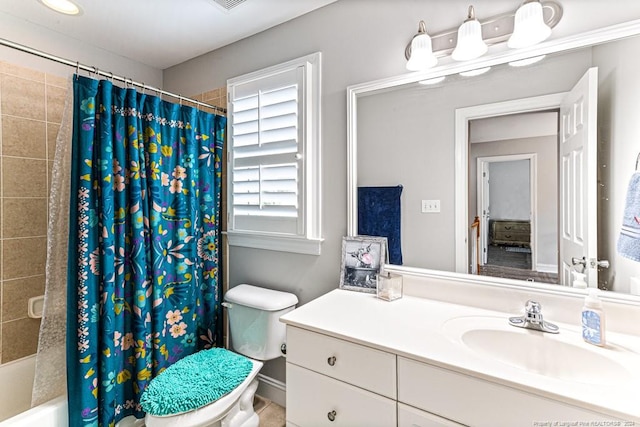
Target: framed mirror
438 141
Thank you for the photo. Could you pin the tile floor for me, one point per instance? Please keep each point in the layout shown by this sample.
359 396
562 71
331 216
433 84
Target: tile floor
270 414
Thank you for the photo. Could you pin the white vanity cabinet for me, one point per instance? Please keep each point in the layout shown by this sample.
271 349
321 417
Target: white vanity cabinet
354 360
362 366
333 382
480 403
409 416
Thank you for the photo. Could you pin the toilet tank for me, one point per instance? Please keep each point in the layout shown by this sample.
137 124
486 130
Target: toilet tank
254 314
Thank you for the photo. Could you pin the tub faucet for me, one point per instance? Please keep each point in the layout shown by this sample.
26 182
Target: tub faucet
533 319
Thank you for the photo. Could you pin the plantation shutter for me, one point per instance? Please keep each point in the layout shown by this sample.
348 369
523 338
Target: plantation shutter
266 154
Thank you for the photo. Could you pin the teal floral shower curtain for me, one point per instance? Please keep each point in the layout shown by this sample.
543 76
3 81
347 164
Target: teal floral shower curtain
143 286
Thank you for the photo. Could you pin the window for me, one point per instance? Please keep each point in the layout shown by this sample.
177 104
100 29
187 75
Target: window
274 157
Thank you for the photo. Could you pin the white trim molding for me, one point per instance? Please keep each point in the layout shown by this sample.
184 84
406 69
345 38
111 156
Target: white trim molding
462 118
275 242
307 238
272 389
354 92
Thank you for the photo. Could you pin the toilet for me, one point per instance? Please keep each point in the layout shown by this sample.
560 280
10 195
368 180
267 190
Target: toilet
256 333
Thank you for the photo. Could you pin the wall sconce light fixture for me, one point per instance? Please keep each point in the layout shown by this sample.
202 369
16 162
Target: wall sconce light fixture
530 24
529 27
422 56
470 44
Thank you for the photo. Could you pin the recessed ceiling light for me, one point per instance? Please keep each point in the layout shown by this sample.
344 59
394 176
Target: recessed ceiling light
63 6
527 61
432 81
475 72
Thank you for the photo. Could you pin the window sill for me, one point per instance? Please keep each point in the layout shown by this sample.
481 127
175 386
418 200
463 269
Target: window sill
274 242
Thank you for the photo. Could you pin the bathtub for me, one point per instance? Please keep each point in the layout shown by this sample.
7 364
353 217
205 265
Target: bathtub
50 414
15 401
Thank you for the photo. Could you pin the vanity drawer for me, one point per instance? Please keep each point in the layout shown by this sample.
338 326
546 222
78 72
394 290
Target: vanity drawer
355 364
476 402
315 400
412 417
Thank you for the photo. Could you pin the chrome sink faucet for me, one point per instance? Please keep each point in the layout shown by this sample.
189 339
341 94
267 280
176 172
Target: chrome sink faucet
532 319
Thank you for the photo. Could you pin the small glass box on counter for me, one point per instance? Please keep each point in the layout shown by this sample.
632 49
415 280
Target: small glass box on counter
389 286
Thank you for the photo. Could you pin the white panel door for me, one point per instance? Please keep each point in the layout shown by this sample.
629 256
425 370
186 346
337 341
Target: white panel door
483 208
578 181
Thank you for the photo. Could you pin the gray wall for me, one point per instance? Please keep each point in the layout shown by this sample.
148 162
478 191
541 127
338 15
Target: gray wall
363 40
406 136
618 149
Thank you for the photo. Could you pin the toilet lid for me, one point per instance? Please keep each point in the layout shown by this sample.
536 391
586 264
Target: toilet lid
260 298
213 412
195 381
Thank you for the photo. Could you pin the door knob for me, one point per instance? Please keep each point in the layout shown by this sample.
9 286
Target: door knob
579 261
602 263
332 415
331 360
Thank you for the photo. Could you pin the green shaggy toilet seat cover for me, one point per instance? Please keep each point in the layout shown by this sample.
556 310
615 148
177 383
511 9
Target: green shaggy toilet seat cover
195 381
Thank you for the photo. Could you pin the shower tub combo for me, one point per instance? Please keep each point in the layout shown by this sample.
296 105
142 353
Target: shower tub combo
15 401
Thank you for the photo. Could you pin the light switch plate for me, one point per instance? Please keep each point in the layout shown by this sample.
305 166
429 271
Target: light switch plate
430 206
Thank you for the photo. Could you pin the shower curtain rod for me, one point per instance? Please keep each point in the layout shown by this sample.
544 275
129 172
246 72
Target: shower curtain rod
95 70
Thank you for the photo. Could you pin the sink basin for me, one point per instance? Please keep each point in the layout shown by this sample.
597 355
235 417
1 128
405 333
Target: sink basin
563 356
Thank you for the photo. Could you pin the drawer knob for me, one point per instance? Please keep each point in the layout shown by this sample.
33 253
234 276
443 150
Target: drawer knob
332 415
331 361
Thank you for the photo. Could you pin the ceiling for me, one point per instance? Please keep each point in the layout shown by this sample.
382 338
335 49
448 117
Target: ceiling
159 33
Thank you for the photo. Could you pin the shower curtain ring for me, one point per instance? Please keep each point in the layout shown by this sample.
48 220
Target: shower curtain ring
144 87
111 76
77 69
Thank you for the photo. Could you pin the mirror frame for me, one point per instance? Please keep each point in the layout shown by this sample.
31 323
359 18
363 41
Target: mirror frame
593 37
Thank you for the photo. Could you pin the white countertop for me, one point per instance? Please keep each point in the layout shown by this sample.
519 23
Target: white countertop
412 327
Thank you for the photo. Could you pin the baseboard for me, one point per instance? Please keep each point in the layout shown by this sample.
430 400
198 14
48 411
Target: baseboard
272 389
547 268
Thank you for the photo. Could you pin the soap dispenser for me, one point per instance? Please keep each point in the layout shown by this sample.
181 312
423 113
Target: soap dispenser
593 323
